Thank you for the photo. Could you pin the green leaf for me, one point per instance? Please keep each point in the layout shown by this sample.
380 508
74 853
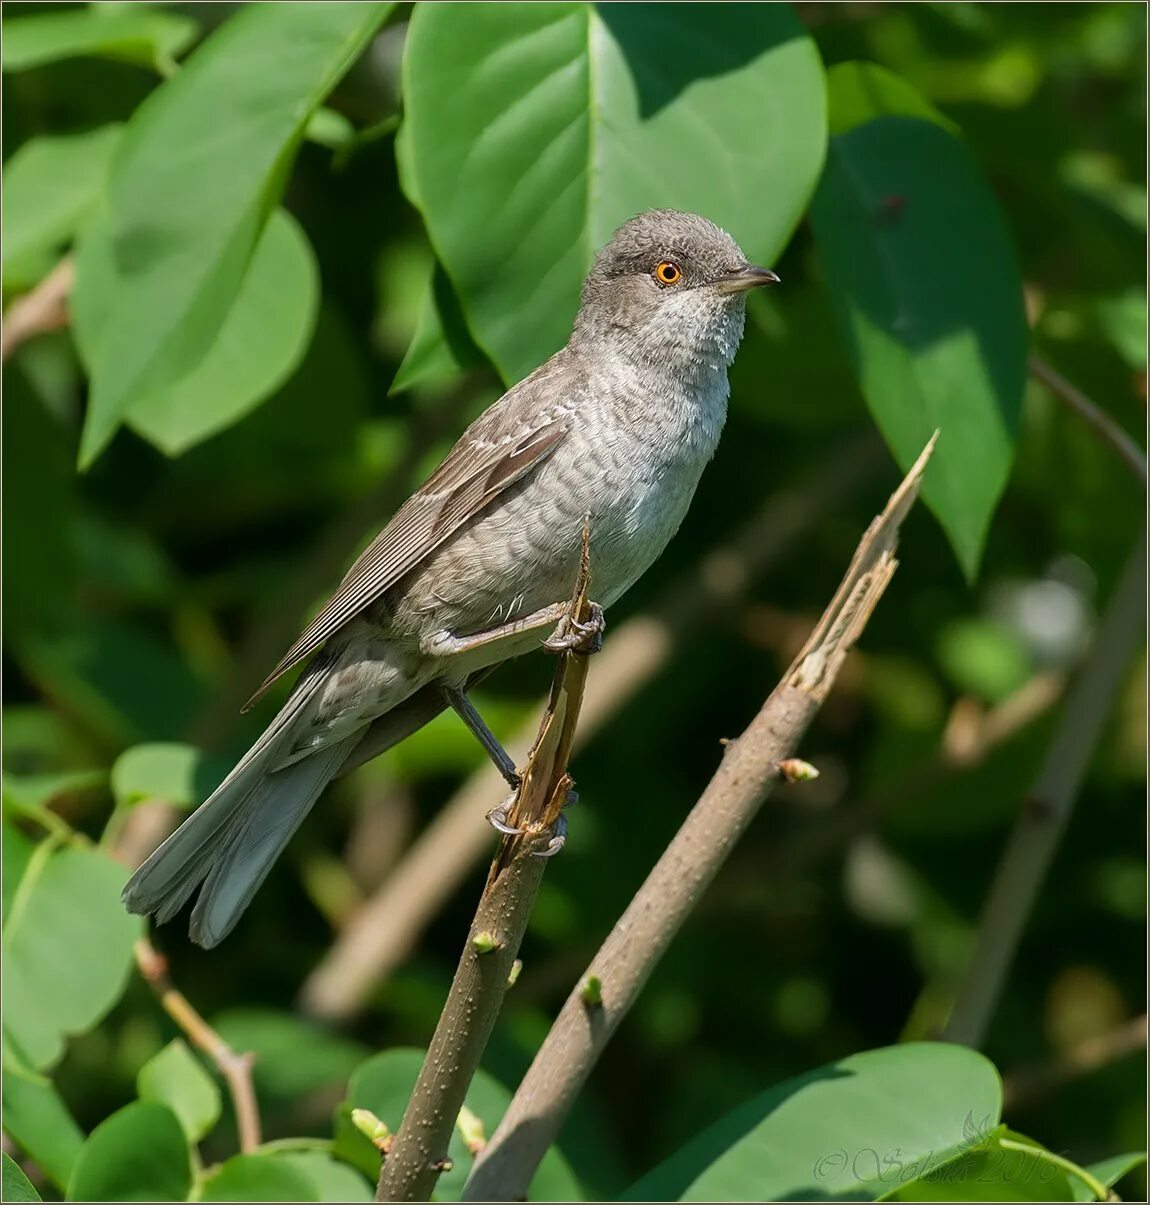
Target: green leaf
441 347
50 185
39 1122
16 1185
137 1154
16 849
178 774
259 1178
331 1180
67 950
1109 1171
595 113
147 37
264 335
176 1078
1003 1166
384 1085
199 170
859 92
831 1133
924 282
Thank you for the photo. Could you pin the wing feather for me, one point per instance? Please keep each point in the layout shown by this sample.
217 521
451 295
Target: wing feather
488 459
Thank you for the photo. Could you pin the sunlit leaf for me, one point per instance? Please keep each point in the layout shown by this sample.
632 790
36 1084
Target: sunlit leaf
199 170
176 1078
595 113
148 36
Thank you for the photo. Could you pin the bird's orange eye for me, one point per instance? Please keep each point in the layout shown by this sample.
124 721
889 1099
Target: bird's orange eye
668 273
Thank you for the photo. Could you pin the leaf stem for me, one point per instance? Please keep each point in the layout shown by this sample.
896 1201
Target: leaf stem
1100 1191
236 1069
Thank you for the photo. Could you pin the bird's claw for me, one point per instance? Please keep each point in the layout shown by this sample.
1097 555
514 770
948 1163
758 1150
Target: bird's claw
499 819
572 636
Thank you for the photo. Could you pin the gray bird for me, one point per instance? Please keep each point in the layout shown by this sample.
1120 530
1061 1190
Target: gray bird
479 564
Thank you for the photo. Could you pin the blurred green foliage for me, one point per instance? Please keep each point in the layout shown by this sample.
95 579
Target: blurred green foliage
249 427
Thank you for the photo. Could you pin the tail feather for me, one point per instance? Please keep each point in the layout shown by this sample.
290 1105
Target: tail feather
271 813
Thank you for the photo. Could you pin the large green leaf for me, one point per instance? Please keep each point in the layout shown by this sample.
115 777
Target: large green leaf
384 1085
830 1133
67 950
16 1185
261 341
138 1154
198 171
925 284
176 1078
258 1178
144 36
533 130
50 185
39 1122
441 347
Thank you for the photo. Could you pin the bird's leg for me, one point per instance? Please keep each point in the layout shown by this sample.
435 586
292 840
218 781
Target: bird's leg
571 636
463 707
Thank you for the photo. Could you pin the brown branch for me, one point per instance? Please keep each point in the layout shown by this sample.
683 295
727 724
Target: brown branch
43 309
1102 423
418 1153
389 924
1032 1083
747 773
236 1069
1044 815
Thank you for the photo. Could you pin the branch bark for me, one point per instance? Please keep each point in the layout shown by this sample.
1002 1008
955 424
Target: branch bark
388 925
1044 815
749 769
235 1068
43 309
418 1153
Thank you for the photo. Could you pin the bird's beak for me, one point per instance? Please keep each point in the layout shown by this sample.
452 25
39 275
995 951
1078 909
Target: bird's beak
744 277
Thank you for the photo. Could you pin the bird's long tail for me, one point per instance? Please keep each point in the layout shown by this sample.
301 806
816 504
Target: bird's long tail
231 841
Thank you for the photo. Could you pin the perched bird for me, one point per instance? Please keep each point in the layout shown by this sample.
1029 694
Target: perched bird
479 564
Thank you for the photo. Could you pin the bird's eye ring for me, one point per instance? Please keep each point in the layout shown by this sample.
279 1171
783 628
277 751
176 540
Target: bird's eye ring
668 273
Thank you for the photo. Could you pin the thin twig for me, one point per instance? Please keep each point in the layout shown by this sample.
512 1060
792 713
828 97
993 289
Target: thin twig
43 309
748 771
388 925
418 1153
235 1068
1102 423
1033 1083
1042 821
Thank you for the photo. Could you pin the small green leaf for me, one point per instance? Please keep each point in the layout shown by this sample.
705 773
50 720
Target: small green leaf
16 1185
176 1078
331 129
149 37
383 1085
1110 1171
831 1133
178 774
198 172
50 186
39 1122
860 92
68 950
924 282
259 1178
597 112
138 1154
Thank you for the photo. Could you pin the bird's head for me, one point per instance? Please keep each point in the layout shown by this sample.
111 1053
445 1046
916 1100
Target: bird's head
669 287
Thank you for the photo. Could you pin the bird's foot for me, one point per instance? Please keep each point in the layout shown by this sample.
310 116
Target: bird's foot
571 636
499 818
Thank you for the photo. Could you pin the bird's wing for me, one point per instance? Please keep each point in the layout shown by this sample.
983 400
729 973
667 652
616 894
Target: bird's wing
495 452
